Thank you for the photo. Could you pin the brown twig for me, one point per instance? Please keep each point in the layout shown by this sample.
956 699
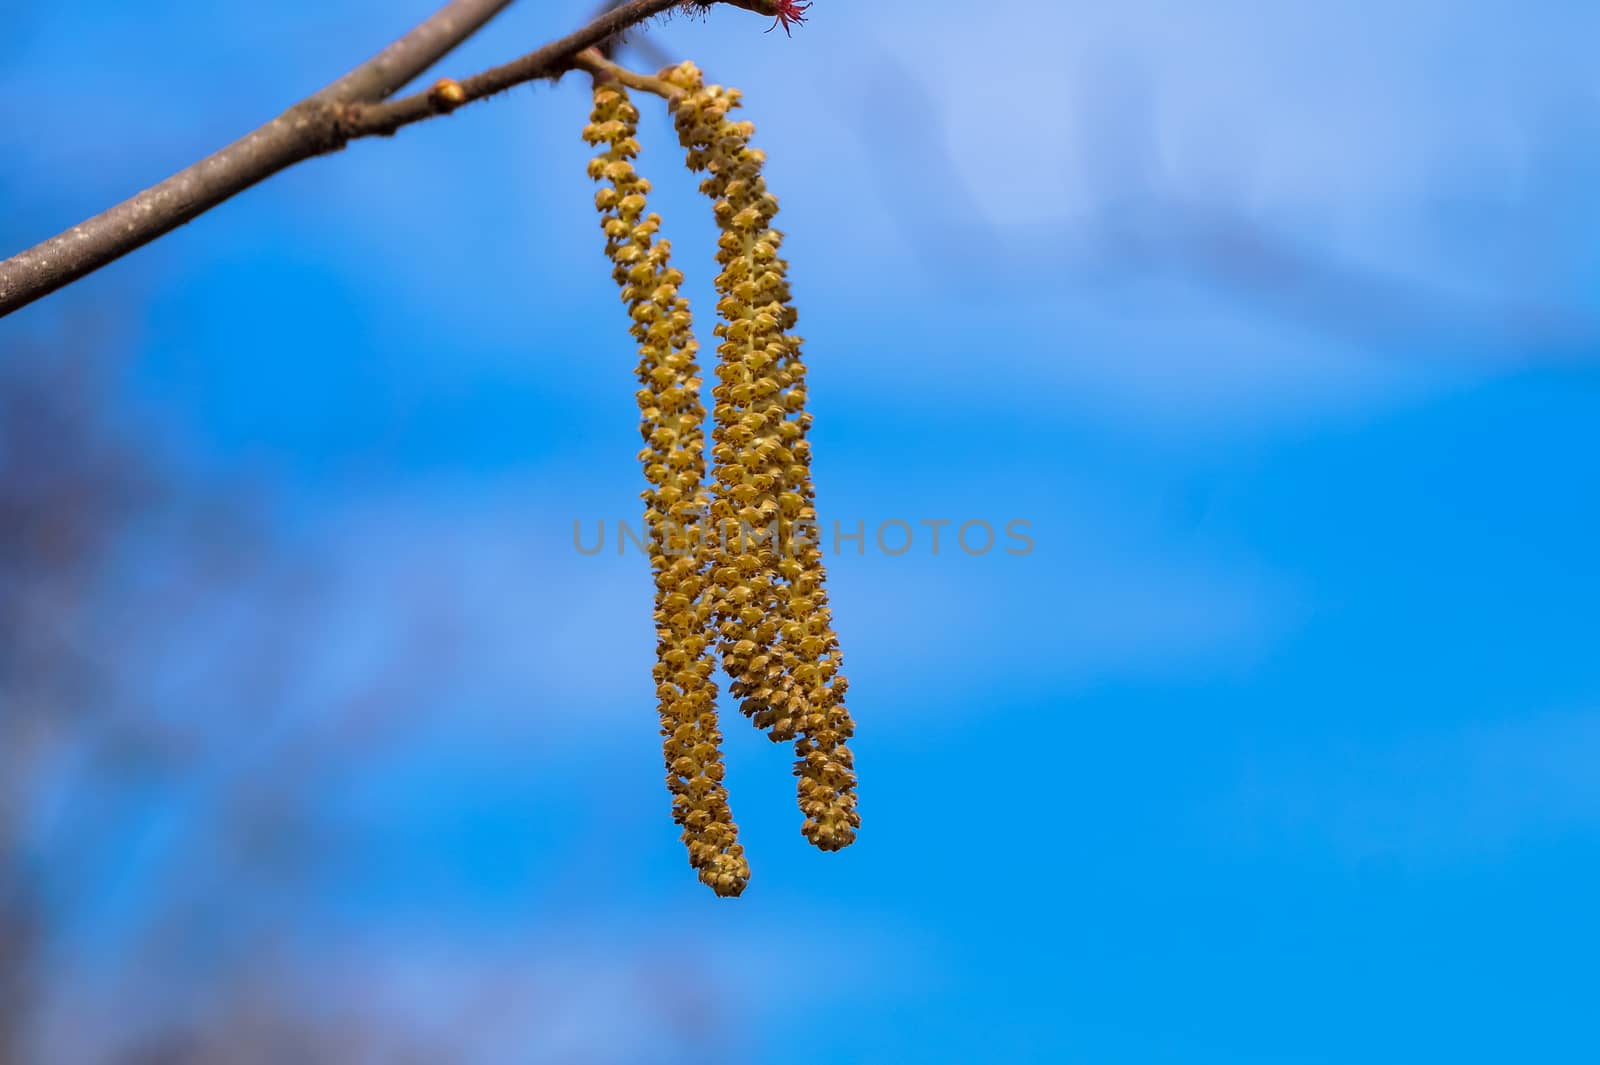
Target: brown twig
553 59
356 105
591 60
385 73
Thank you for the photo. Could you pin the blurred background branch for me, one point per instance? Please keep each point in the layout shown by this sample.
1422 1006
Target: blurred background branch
1137 227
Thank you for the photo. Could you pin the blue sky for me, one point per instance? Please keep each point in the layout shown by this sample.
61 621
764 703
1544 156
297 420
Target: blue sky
1277 323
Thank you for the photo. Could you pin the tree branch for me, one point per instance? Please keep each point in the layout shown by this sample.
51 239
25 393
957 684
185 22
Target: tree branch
553 59
385 73
352 107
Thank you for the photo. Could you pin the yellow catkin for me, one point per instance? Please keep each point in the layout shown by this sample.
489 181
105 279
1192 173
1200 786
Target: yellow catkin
672 424
770 602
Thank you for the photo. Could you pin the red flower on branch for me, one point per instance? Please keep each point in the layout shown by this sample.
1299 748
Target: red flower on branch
788 11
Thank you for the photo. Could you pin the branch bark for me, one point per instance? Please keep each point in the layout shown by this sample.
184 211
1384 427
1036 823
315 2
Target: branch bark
385 73
357 105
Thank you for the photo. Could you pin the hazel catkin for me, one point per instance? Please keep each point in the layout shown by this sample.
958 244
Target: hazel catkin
768 590
676 504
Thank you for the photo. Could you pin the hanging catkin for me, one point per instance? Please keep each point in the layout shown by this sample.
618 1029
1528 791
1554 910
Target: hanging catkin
672 424
738 567
778 642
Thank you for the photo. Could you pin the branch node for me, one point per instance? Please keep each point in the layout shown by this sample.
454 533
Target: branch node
446 95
